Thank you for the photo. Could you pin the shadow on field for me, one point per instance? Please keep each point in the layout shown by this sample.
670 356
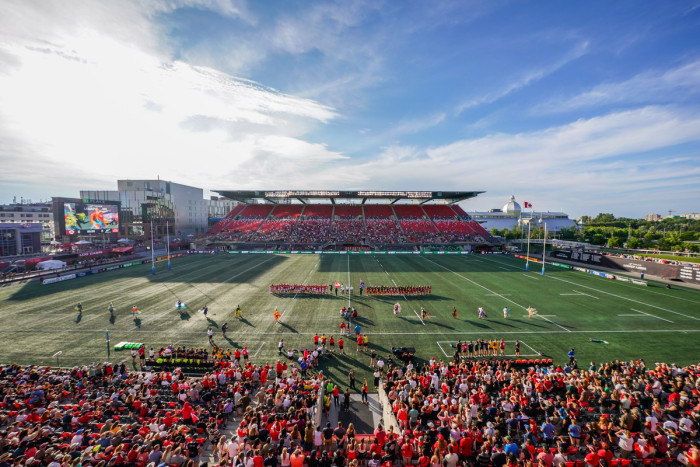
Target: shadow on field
285 325
230 270
137 322
213 323
245 321
79 317
480 324
184 315
112 319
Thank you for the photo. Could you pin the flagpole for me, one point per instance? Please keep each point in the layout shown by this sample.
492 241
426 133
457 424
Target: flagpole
153 253
167 233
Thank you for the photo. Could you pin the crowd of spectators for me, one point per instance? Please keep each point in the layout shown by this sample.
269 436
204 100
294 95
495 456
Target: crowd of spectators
104 414
460 412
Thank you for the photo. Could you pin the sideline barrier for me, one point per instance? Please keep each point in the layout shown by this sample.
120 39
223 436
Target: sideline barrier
106 268
127 345
317 252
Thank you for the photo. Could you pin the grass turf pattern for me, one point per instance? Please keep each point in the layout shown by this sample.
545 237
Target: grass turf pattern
653 323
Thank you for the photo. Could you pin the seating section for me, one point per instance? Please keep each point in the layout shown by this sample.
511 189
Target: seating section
274 230
378 211
408 211
254 211
439 211
287 211
456 230
460 212
239 230
376 224
314 230
348 230
318 210
347 211
420 231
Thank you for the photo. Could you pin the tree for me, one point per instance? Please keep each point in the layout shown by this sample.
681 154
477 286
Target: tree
634 242
598 239
603 218
614 242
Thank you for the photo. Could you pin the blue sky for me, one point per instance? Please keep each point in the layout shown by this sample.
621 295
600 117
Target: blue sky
584 107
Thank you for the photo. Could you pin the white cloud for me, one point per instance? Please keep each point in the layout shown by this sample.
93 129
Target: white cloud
655 86
83 104
526 79
580 163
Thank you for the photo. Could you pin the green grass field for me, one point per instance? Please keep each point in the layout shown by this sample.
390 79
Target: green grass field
653 323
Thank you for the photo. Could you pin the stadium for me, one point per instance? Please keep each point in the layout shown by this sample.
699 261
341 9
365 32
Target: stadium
303 312
347 220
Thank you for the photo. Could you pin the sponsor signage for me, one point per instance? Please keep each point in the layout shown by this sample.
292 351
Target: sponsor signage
51 280
685 273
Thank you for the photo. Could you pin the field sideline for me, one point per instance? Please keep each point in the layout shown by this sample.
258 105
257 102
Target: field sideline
653 323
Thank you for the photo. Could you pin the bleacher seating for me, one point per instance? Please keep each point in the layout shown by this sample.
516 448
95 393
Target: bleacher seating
256 211
439 211
318 210
287 211
348 230
408 211
347 211
378 211
377 224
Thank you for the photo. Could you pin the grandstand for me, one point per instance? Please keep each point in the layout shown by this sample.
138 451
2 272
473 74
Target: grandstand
348 219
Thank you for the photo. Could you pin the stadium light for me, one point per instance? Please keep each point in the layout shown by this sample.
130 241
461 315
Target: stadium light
527 257
153 253
544 244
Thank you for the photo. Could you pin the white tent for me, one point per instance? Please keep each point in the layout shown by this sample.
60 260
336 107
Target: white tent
83 242
51 264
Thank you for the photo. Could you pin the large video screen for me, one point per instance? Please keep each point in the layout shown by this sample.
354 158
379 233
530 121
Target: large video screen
90 217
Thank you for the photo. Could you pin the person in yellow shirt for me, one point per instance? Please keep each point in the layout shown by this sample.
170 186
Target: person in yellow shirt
278 315
365 341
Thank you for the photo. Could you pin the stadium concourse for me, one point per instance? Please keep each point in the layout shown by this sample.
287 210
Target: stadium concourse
464 412
358 219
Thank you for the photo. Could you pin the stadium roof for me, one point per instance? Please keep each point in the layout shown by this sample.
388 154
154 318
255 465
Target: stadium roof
304 196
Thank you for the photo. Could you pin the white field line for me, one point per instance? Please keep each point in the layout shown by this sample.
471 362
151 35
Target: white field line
404 297
59 303
623 285
436 333
619 296
257 351
504 268
284 312
623 298
629 314
582 293
530 277
499 295
653 316
195 273
169 310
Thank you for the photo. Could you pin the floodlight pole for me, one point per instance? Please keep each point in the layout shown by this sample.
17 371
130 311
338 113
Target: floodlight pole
544 246
167 233
153 253
527 257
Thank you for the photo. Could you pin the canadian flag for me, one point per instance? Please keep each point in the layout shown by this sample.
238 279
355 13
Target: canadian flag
528 205
336 284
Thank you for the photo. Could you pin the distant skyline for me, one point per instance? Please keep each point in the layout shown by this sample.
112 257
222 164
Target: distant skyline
584 107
